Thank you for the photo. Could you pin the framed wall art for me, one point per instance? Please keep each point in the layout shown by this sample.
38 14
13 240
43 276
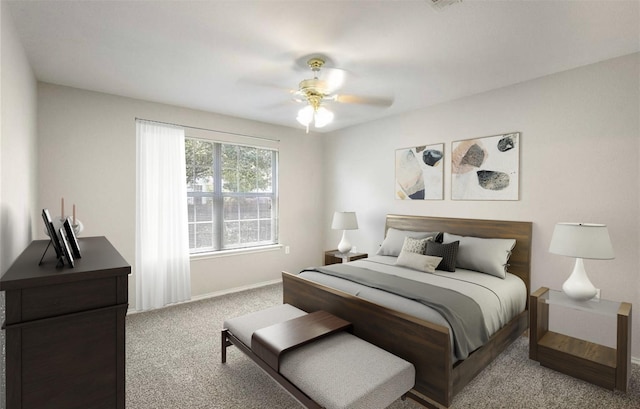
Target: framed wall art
420 173
486 168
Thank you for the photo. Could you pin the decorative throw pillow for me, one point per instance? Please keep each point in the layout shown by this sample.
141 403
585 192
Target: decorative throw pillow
393 242
418 262
415 245
489 256
447 251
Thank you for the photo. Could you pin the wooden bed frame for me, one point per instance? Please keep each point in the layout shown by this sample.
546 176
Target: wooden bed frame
425 344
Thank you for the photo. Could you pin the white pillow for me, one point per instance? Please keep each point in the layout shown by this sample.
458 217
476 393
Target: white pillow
417 261
415 245
489 256
392 244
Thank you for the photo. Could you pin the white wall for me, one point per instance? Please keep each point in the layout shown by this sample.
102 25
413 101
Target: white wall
18 140
580 147
87 154
17 156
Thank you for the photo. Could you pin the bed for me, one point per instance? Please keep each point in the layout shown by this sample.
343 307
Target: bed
440 371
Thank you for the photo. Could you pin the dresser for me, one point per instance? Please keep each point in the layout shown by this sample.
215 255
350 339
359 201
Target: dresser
65 328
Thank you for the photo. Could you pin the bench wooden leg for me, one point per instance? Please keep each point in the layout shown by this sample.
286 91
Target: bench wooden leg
229 339
225 344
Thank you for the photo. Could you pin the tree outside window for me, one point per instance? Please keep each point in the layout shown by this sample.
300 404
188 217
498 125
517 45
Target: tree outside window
231 195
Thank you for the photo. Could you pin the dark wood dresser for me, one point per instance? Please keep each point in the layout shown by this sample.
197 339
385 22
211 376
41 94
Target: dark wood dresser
65 328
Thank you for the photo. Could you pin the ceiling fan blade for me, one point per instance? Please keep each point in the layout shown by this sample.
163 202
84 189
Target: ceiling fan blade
362 100
247 82
279 106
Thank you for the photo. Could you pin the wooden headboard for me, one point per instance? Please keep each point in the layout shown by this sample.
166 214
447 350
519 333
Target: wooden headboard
520 260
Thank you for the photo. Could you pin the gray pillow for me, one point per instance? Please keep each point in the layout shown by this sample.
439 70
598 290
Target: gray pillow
392 244
418 262
489 256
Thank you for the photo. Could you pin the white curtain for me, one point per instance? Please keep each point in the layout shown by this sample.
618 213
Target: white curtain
162 235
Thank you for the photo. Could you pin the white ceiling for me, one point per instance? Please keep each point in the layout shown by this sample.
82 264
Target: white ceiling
240 58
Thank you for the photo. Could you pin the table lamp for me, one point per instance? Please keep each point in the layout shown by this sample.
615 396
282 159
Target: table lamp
581 240
344 221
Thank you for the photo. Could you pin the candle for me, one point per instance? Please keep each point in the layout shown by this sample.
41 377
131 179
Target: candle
74 214
62 208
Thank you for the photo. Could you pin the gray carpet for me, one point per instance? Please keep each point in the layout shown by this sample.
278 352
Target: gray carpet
173 362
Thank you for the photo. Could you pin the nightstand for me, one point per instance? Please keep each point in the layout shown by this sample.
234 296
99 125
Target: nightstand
335 257
598 364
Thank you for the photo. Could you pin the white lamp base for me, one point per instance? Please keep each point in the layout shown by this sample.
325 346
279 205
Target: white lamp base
578 285
345 245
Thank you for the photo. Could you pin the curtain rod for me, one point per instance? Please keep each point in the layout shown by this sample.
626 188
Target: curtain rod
211 130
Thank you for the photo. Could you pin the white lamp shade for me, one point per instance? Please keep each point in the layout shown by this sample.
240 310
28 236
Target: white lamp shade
320 118
581 240
344 221
323 117
305 115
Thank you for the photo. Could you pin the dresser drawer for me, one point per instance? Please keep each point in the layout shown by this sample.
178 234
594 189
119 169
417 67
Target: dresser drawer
60 299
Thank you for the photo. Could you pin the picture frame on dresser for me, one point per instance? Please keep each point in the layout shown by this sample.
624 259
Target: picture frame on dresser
72 238
55 240
66 248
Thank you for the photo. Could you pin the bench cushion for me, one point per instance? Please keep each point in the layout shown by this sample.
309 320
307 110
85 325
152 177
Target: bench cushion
243 327
343 371
338 371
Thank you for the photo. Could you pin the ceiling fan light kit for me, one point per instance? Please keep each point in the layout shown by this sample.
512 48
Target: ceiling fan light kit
320 116
314 91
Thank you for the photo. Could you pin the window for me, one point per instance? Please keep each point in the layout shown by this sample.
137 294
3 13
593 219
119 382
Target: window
231 196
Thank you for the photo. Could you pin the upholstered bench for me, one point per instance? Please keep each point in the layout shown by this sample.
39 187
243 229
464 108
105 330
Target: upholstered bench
317 360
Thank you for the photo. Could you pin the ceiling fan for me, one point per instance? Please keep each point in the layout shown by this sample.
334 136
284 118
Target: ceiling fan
323 88
314 91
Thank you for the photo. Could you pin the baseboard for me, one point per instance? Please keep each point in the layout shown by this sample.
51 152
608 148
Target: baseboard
234 290
635 361
216 294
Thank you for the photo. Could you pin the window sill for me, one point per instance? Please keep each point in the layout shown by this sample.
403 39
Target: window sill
236 252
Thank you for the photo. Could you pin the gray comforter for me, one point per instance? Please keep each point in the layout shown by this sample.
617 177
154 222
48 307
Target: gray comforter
461 312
